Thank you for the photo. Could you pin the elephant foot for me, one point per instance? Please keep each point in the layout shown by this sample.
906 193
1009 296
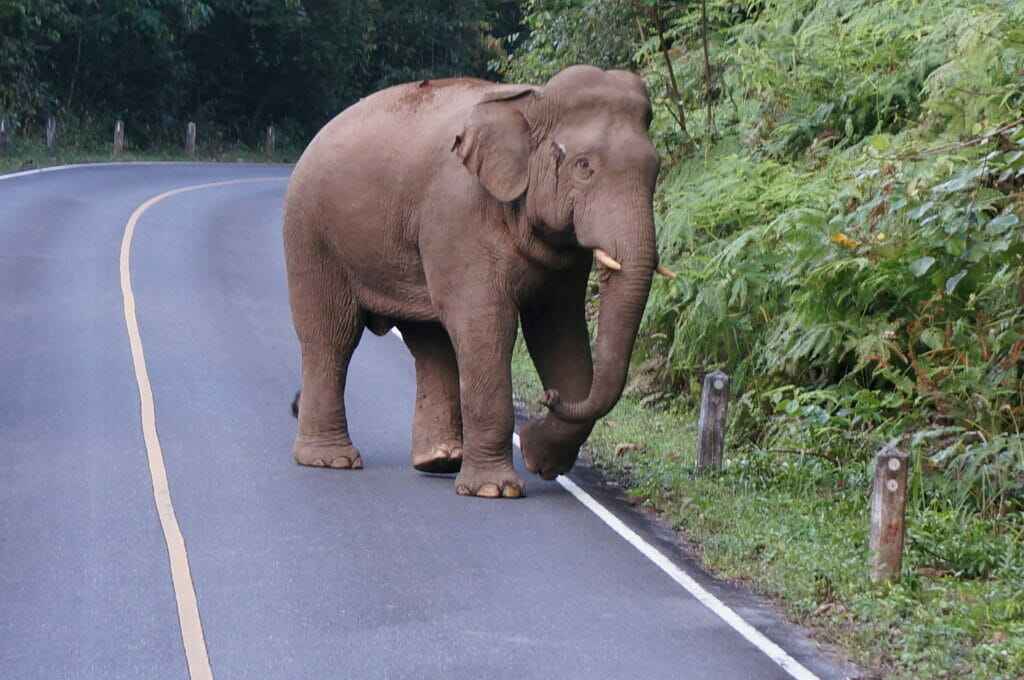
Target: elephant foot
330 455
550 450
500 482
441 459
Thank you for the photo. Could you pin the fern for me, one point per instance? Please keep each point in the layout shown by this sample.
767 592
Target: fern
857 225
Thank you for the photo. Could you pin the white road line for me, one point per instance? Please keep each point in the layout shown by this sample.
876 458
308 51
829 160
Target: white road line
735 621
116 164
54 168
181 575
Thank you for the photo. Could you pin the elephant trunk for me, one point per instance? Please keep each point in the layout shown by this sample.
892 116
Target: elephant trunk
623 295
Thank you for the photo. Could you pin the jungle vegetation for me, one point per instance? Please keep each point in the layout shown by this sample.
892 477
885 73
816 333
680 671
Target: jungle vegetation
231 66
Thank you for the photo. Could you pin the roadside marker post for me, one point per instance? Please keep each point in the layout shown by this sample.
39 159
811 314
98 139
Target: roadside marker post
119 137
268 146
888 514
190 139
714 405
51 134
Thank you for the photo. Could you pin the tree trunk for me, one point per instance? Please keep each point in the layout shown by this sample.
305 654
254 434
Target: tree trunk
677 98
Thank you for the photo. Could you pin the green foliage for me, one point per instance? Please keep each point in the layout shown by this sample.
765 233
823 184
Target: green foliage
233 66
854 232
439 38
24 35
566 32
980 474
257 62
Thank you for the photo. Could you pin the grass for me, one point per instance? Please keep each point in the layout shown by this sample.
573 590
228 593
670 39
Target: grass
794 528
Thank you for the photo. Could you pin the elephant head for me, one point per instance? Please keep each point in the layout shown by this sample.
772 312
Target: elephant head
575 169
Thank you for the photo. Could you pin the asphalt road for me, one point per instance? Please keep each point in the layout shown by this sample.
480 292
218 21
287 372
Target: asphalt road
297 572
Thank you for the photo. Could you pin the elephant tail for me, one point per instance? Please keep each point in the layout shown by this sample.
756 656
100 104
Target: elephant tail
295 404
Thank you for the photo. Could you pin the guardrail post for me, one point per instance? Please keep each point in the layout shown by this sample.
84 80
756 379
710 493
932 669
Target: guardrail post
888 514
190 139
119 137
51 134
3 137
714 404
268 146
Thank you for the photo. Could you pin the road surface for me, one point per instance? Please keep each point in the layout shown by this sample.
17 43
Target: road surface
284 571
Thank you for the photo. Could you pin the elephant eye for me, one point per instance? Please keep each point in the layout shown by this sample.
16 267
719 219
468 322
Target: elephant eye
583 169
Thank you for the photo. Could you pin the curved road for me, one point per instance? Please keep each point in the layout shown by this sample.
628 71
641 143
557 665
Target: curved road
296 572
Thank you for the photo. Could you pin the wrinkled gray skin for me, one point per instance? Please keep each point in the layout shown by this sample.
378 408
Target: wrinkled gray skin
453 209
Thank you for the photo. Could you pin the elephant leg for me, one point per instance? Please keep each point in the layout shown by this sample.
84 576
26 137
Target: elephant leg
483 337
555 331
329 324
437 419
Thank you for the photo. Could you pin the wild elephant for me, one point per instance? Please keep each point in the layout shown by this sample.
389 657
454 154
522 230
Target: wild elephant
455 209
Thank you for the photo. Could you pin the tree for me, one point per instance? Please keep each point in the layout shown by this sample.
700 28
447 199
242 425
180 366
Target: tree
260 61
419 39
233 65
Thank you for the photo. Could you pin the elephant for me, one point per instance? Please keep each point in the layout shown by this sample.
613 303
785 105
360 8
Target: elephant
455 210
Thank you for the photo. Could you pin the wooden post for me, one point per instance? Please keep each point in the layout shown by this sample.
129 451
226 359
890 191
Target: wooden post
888 509
3 137
714 403
51 134
119 137
190 139
268 146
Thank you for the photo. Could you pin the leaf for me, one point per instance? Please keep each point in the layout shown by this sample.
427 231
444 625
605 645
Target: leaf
955 184
920 266
956 246
933 434
1000 246
998 225
880 143
738 295
886 251
933 338
953 280
841 239
920 211
1012 157
962 181
977 251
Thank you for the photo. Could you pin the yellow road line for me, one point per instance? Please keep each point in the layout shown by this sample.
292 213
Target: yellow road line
181 576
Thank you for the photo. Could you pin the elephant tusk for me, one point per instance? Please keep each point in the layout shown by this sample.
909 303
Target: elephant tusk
607 260
665 271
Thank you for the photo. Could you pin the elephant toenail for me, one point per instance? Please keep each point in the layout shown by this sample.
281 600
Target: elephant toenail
489 491
512 491
319 462
341 463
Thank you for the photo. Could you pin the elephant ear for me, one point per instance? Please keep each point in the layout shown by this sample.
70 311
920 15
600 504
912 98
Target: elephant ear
495 144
